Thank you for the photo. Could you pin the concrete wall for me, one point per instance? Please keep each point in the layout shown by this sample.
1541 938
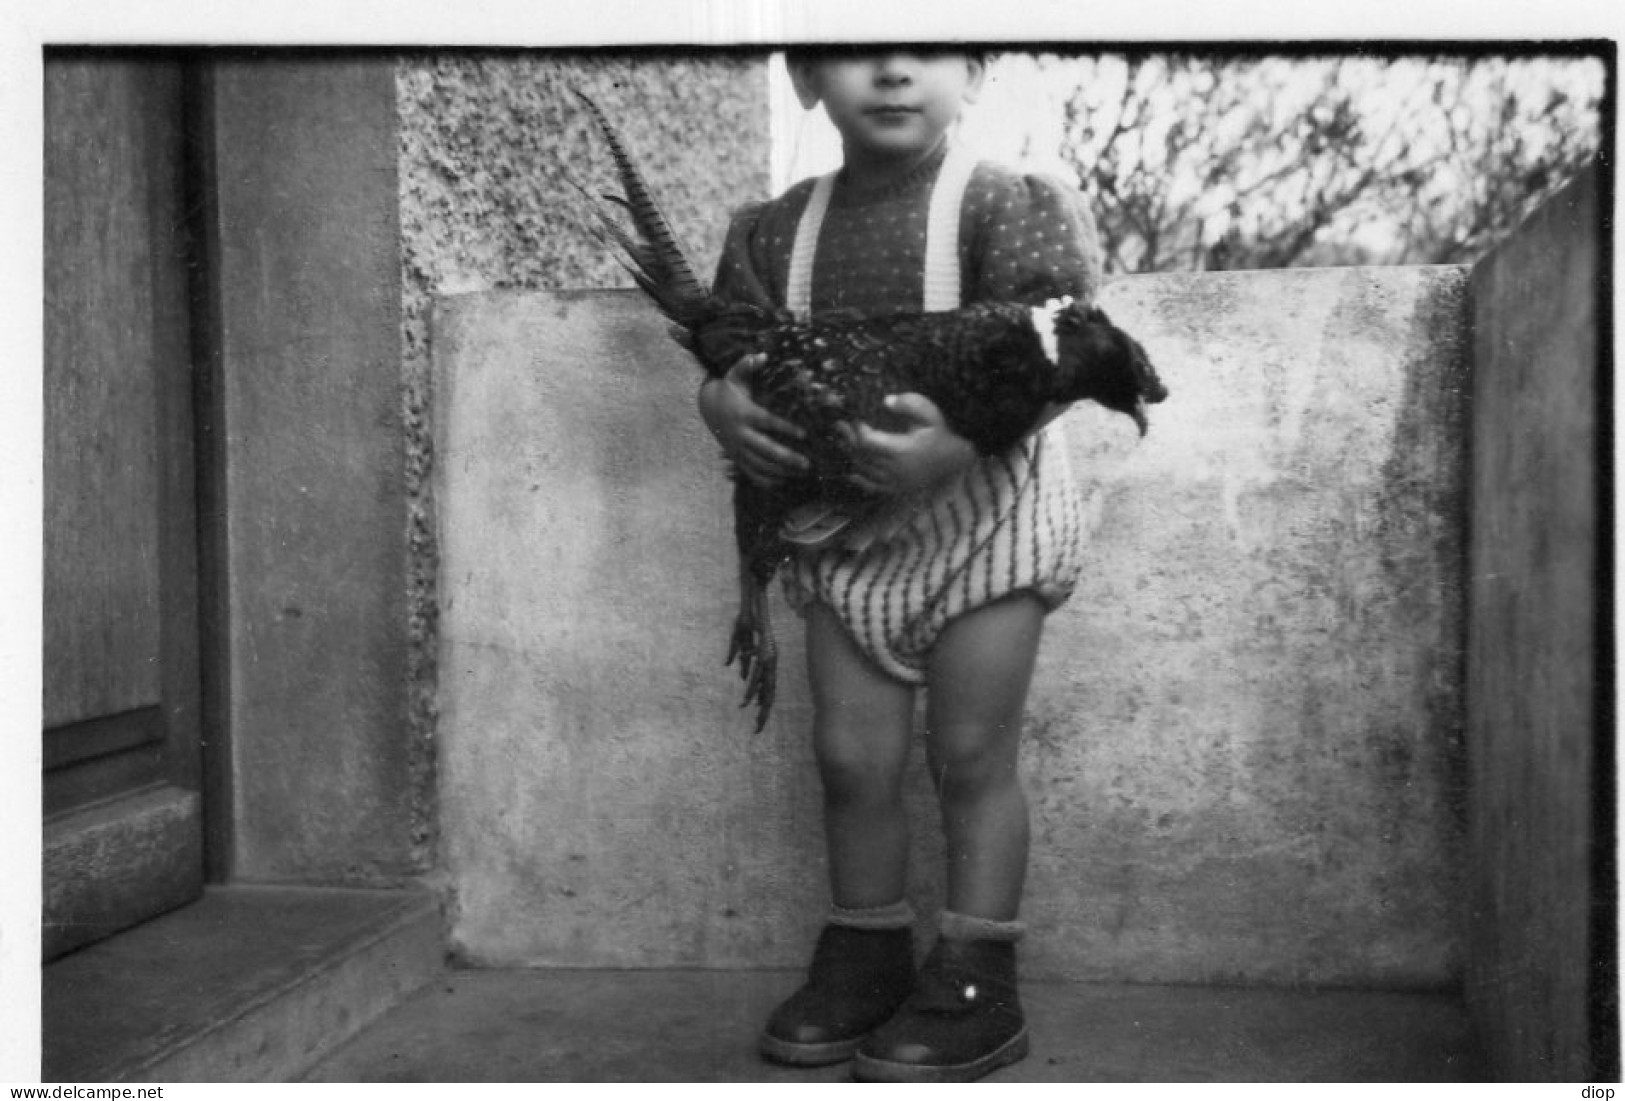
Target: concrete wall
1541 979
307 456
1244 742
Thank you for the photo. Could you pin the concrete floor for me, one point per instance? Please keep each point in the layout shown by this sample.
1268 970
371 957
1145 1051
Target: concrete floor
700 1026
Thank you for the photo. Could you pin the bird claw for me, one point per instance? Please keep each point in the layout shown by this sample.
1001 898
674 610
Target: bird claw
760 689
742 646
758 668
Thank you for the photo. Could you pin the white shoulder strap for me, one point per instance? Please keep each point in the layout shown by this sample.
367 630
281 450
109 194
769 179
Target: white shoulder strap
798 283
942 230
942 276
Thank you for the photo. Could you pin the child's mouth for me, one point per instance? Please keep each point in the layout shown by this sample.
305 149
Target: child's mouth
891 113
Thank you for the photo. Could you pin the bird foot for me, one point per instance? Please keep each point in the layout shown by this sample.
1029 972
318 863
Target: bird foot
763 682
758 658
742 647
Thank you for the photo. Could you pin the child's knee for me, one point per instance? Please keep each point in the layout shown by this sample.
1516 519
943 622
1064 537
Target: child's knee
856 774
969 763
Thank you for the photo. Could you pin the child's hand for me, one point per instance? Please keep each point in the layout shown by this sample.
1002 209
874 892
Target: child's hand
923 453
750 435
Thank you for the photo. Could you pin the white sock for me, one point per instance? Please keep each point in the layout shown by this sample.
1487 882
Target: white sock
898 915
965 927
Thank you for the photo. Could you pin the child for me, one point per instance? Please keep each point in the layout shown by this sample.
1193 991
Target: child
952 594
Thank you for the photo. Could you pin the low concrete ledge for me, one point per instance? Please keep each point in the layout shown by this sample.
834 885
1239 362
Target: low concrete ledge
1244 739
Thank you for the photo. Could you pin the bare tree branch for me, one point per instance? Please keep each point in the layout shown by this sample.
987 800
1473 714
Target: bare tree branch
1202 162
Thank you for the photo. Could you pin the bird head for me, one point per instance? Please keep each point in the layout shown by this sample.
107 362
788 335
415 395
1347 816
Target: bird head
1097 360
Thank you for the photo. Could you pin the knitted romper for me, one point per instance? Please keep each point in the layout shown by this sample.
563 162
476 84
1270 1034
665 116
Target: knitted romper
1009 523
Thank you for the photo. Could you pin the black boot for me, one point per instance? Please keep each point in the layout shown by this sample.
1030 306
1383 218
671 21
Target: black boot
962 1022
858 978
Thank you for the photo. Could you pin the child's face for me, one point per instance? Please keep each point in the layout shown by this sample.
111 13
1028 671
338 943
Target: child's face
891 105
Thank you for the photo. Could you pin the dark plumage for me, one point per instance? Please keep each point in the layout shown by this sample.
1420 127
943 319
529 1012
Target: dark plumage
985 366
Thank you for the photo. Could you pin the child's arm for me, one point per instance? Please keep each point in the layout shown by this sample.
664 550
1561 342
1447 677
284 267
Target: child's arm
749 434
755 440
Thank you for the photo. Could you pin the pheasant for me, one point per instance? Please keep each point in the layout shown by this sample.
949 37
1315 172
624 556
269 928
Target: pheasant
991 368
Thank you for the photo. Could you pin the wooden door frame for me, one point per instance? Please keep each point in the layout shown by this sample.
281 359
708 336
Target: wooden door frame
209 451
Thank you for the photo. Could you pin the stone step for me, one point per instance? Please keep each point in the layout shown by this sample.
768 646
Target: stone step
250 983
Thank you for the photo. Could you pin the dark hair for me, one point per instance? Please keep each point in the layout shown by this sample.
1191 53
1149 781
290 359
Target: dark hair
808 52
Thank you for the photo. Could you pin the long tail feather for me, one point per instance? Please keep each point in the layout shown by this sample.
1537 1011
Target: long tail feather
609 232
657 261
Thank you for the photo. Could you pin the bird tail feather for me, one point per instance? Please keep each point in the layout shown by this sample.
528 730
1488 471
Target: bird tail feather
653 257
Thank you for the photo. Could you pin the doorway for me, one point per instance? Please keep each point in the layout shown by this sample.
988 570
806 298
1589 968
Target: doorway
124 725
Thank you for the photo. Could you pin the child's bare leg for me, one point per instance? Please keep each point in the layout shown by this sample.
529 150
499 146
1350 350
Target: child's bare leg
964 1018
980 670
861 726
863 965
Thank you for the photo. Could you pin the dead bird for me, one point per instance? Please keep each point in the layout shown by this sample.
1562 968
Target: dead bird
991 368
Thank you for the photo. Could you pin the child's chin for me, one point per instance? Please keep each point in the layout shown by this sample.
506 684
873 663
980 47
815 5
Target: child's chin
898 141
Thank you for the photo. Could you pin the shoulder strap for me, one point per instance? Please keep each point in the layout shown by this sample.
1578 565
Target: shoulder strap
798 283
942 276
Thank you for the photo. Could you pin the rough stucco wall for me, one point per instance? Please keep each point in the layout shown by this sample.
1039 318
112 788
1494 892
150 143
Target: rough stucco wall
488 144
1534 687
1244 740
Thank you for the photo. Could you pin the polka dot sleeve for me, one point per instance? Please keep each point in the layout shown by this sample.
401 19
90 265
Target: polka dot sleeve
742 267
1027 239
756 252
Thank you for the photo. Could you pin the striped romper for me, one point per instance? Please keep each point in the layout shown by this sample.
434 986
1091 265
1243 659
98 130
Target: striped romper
954 232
